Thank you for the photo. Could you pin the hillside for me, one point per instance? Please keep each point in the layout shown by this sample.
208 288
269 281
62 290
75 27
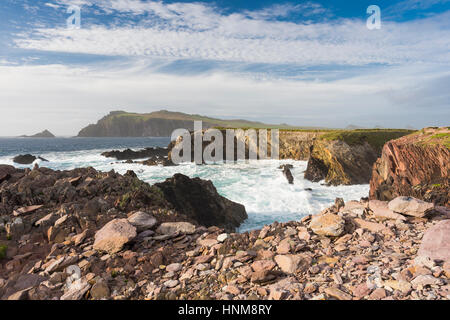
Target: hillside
43 134
161 124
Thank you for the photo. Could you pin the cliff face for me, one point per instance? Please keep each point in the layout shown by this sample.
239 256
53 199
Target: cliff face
417 165
159 124
339 163
132 127
347 157
293 144
296 145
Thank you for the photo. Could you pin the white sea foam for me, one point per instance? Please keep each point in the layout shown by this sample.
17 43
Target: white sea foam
259 185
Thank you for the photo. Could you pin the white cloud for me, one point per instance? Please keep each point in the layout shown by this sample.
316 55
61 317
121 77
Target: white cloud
198 31
65 99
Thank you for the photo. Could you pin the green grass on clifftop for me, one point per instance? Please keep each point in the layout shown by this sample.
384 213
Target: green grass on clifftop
375 137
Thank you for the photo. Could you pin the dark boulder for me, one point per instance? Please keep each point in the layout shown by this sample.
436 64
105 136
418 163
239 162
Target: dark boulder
128 154
287 173
24 159
316 170
198 199
6 172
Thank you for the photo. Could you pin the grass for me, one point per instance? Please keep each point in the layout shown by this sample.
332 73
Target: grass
444 138
375 137
3 249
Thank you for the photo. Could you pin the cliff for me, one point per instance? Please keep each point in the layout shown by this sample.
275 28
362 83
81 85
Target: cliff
293 144
346 157
158 124
417 165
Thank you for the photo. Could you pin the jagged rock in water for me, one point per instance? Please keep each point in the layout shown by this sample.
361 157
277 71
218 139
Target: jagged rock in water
24 159
287 173
128 154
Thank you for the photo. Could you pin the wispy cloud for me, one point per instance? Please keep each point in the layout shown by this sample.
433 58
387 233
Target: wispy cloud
198 31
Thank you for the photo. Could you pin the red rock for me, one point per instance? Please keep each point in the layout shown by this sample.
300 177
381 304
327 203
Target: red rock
436 242
411 161
114 235
361 291
263 265
378 294
328 224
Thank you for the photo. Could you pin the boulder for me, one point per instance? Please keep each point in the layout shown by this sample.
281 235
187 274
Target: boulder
114 235
381 210
328 224
436 242
287 173
142 221
176 227
6 172
410 206
290 263
199 200
24 159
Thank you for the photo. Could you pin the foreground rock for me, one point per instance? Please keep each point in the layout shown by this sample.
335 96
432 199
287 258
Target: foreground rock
328 224
410 206
5 172
51 252
114 235
198 199
436 242
416 165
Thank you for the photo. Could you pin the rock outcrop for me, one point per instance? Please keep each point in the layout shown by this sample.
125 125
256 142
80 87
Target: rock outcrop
337 163
95 238
417 165
199 200
27 159
5 172
346 157
43 134
129 154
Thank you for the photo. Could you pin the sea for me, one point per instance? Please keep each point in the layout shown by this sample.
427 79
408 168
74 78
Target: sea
257 184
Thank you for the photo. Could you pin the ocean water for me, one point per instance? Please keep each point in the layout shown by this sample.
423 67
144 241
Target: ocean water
259 185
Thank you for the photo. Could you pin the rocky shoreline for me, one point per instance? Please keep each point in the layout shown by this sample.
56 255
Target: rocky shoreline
129 240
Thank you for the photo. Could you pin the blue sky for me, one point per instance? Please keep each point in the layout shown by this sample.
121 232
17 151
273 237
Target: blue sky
311 63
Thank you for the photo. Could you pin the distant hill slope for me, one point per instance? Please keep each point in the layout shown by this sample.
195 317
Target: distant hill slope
161 124
43 134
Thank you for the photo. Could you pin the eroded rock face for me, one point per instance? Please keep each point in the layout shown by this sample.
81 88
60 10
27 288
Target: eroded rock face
416 165
339 163
114 235
198 200
436 242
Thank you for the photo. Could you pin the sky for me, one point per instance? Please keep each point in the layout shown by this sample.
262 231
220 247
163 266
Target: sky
304 63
